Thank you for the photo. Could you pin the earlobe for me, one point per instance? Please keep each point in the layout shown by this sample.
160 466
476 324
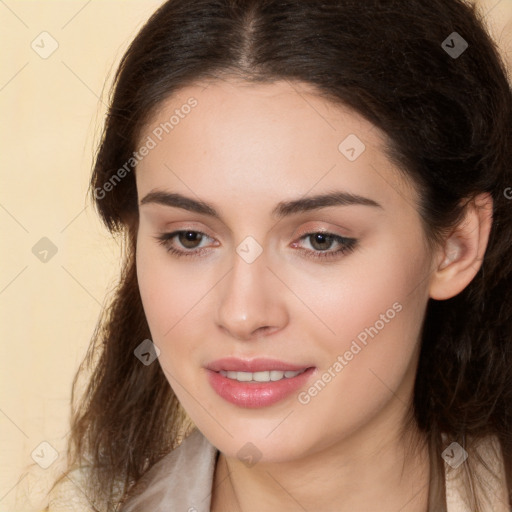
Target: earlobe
461 256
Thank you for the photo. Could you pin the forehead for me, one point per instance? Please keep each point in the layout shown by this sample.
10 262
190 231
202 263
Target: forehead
267 139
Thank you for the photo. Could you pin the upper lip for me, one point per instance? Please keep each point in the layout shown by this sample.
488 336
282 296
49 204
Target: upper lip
234 364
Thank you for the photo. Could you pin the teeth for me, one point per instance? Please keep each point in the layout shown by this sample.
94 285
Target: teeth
261 376
265 376
276 375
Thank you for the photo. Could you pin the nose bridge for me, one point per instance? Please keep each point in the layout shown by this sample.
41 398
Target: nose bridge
248 301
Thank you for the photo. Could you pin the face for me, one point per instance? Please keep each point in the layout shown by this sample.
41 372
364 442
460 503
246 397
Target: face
275 235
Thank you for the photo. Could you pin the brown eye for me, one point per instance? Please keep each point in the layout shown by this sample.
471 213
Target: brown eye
188 242
321 241
189 239
321 244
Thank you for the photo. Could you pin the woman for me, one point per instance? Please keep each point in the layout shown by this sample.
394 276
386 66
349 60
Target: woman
315 199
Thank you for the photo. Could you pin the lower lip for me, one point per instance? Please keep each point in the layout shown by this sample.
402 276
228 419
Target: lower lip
256 394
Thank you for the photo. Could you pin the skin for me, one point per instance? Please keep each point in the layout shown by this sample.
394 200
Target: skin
243 149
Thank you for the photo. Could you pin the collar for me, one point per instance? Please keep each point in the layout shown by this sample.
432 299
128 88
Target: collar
180 481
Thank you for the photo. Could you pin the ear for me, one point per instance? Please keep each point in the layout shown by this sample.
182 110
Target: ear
461 256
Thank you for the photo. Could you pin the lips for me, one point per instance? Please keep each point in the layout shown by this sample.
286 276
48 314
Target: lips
253 393
264 376
232 364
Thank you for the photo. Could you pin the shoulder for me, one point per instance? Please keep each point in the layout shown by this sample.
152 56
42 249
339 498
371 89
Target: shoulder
484 472
60 491
181 480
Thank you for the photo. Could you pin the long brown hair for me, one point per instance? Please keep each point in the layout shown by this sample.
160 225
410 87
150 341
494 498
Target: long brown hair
448 118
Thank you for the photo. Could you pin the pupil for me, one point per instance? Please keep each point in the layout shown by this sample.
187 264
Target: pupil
189 239
322 239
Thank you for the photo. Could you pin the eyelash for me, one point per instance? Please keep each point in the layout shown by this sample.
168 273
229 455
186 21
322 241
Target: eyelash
347 245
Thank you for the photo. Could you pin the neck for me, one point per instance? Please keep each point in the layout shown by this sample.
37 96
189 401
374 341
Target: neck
380 476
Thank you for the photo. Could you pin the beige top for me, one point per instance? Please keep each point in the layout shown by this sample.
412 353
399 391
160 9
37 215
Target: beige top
182 481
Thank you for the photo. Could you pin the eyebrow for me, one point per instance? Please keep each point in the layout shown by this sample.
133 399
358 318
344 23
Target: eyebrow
282 209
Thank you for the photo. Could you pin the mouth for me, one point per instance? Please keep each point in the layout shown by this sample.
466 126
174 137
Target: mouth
258 382
256 365
263 376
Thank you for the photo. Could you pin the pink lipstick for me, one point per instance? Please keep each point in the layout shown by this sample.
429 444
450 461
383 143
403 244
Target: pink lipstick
258 382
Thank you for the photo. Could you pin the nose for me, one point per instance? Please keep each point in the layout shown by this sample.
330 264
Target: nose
250 304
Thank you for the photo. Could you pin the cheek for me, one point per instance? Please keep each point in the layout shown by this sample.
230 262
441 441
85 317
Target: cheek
376 310
368 365
364 293
369 313
171 298
159 287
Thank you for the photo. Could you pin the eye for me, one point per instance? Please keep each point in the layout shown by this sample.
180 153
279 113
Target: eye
187 238
321 243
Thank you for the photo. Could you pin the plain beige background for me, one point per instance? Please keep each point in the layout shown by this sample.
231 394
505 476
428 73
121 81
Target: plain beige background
52 106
